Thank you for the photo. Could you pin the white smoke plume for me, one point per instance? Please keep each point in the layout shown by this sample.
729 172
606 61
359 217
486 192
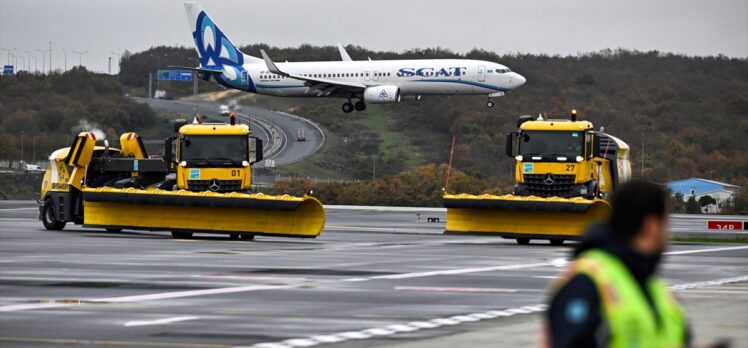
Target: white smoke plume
85 126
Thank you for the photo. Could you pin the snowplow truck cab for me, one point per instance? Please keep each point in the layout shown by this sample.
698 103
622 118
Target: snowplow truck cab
201 183
564 174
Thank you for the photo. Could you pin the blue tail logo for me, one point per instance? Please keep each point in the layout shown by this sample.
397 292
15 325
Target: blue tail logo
216 51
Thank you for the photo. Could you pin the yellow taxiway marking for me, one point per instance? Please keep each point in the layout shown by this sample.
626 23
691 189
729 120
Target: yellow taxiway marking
108 342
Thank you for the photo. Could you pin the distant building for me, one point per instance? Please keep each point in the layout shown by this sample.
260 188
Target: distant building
721 192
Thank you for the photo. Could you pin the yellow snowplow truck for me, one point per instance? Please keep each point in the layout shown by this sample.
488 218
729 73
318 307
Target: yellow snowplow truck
201 184
564 173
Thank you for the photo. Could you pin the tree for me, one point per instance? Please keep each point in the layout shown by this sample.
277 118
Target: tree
678 204
738 205
692 206
706 200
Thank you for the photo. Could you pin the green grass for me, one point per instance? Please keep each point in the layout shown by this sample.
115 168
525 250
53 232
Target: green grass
392 141
734 240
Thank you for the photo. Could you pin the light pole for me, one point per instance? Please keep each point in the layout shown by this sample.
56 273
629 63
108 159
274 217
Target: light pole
50 57
23 62
21 147
28 60
119 62
9 51
642 172
36 69
66 58
80 57
44 59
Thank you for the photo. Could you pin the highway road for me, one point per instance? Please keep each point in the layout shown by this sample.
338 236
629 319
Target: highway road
278 130
376 277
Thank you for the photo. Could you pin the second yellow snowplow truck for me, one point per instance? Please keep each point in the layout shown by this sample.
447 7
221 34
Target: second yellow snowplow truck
201 184
564 173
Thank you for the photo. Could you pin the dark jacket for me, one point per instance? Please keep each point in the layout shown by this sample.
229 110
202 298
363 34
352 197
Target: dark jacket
575 315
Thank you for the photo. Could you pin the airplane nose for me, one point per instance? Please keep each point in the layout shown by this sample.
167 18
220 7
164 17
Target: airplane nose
520 79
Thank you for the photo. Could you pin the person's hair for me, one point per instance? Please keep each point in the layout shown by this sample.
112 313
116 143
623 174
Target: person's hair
632 202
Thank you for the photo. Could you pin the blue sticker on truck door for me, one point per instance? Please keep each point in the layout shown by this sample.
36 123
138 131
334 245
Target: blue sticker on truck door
527 168
194 173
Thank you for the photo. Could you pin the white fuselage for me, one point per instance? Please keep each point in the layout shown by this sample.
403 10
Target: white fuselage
412 77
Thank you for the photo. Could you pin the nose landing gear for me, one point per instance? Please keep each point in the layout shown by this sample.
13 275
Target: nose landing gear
490 103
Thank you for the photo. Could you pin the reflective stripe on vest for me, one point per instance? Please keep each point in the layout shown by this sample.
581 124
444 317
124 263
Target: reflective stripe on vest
626 311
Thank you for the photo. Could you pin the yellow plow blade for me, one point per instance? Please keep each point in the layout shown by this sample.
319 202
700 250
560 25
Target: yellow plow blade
516 216
154 209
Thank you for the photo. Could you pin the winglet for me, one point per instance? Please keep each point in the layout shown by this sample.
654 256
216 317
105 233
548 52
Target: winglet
271 66
343 54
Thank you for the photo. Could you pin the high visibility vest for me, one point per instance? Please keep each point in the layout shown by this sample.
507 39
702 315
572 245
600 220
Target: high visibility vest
625 308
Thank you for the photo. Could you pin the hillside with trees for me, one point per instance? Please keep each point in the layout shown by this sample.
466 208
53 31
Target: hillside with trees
47 110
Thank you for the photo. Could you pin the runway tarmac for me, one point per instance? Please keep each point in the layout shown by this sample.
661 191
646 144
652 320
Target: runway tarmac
372 279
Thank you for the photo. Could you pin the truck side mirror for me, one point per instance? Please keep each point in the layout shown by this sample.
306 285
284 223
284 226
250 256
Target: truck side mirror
168 151
258 150
509 145
596 145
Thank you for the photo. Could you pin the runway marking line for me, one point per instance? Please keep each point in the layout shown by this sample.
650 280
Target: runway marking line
445 289
164 321
696 251
192 293
107 342
395 329
7 209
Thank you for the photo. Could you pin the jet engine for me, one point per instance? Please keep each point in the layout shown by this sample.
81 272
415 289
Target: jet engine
382 94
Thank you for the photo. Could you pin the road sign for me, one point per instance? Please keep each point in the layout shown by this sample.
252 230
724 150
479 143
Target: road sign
174 75
269 163
8 70
724 225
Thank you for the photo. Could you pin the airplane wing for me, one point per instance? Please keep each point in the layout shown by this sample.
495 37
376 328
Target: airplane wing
343 53
325 86
201 70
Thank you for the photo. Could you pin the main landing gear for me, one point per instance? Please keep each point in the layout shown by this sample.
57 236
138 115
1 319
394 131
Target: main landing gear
349 106
490 103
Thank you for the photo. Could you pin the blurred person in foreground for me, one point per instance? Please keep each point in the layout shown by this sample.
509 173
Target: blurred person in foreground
610 295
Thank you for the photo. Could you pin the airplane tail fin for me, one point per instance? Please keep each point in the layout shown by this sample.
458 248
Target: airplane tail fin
213 47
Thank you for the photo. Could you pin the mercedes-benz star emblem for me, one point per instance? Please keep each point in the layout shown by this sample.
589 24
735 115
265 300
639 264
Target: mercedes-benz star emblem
548 179
214 186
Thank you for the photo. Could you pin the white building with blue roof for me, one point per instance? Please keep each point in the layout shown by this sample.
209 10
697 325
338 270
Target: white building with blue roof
698 188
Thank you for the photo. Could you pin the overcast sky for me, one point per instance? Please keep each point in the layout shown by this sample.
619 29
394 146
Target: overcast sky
692 27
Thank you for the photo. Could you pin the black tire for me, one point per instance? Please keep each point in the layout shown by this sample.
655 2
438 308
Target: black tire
181 234
557 242
348 107
234 235
248 237
523 241
490 104
114 230
49 216
360 105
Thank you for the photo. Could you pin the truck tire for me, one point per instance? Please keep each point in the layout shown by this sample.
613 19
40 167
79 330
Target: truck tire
523 241
247 237
114 230
557 241
49 216
181 234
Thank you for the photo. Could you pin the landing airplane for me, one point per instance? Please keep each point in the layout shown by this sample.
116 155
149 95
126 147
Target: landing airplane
369 81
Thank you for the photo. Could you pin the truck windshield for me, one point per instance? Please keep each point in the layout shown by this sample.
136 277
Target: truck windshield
551 143
214 150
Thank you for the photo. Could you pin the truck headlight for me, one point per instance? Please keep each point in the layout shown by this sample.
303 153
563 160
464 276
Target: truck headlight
183 163
579 158
245 163
518 158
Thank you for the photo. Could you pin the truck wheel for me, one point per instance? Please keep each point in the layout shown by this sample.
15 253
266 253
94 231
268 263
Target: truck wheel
557 242
114 230
523 241
248 237
49 216
181 234
234 235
